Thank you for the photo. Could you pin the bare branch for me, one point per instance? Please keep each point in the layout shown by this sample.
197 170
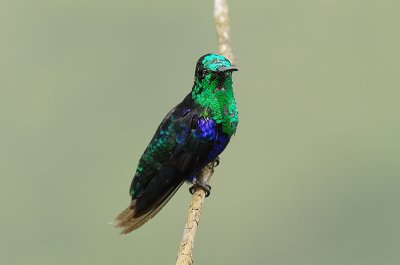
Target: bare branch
192 220
221 16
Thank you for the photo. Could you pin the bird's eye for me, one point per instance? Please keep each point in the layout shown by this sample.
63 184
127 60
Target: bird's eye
201 73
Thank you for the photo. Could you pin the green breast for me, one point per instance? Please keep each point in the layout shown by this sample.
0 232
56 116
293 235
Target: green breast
219 105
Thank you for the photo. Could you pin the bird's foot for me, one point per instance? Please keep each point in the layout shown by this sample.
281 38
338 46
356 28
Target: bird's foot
216 162
202 185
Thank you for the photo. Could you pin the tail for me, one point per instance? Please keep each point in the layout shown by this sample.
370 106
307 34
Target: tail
134 217
127 221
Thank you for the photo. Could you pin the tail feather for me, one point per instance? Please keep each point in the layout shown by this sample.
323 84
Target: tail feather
127 221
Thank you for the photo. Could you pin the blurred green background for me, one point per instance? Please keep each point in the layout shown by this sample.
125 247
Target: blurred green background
311 177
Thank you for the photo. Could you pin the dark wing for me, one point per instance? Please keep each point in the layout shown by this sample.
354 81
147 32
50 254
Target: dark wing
157 153
179 147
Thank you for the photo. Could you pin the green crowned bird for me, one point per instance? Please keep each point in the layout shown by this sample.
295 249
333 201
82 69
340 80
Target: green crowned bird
190 136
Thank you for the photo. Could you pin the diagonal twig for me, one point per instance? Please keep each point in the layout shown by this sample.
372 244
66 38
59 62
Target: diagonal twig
221 16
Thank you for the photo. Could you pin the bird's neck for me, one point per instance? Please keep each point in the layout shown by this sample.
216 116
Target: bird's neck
219 105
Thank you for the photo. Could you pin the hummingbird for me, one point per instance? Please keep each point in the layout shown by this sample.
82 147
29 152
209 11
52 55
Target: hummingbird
192 134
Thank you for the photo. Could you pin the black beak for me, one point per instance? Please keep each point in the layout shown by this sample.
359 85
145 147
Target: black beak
228 69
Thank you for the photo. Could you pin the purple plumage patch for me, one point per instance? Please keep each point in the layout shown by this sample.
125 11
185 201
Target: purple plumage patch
207 128
218 146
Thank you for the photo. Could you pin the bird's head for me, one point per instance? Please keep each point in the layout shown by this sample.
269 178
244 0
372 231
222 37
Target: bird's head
212 87
212 70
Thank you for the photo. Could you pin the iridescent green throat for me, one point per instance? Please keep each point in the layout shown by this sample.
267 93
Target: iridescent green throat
219 104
